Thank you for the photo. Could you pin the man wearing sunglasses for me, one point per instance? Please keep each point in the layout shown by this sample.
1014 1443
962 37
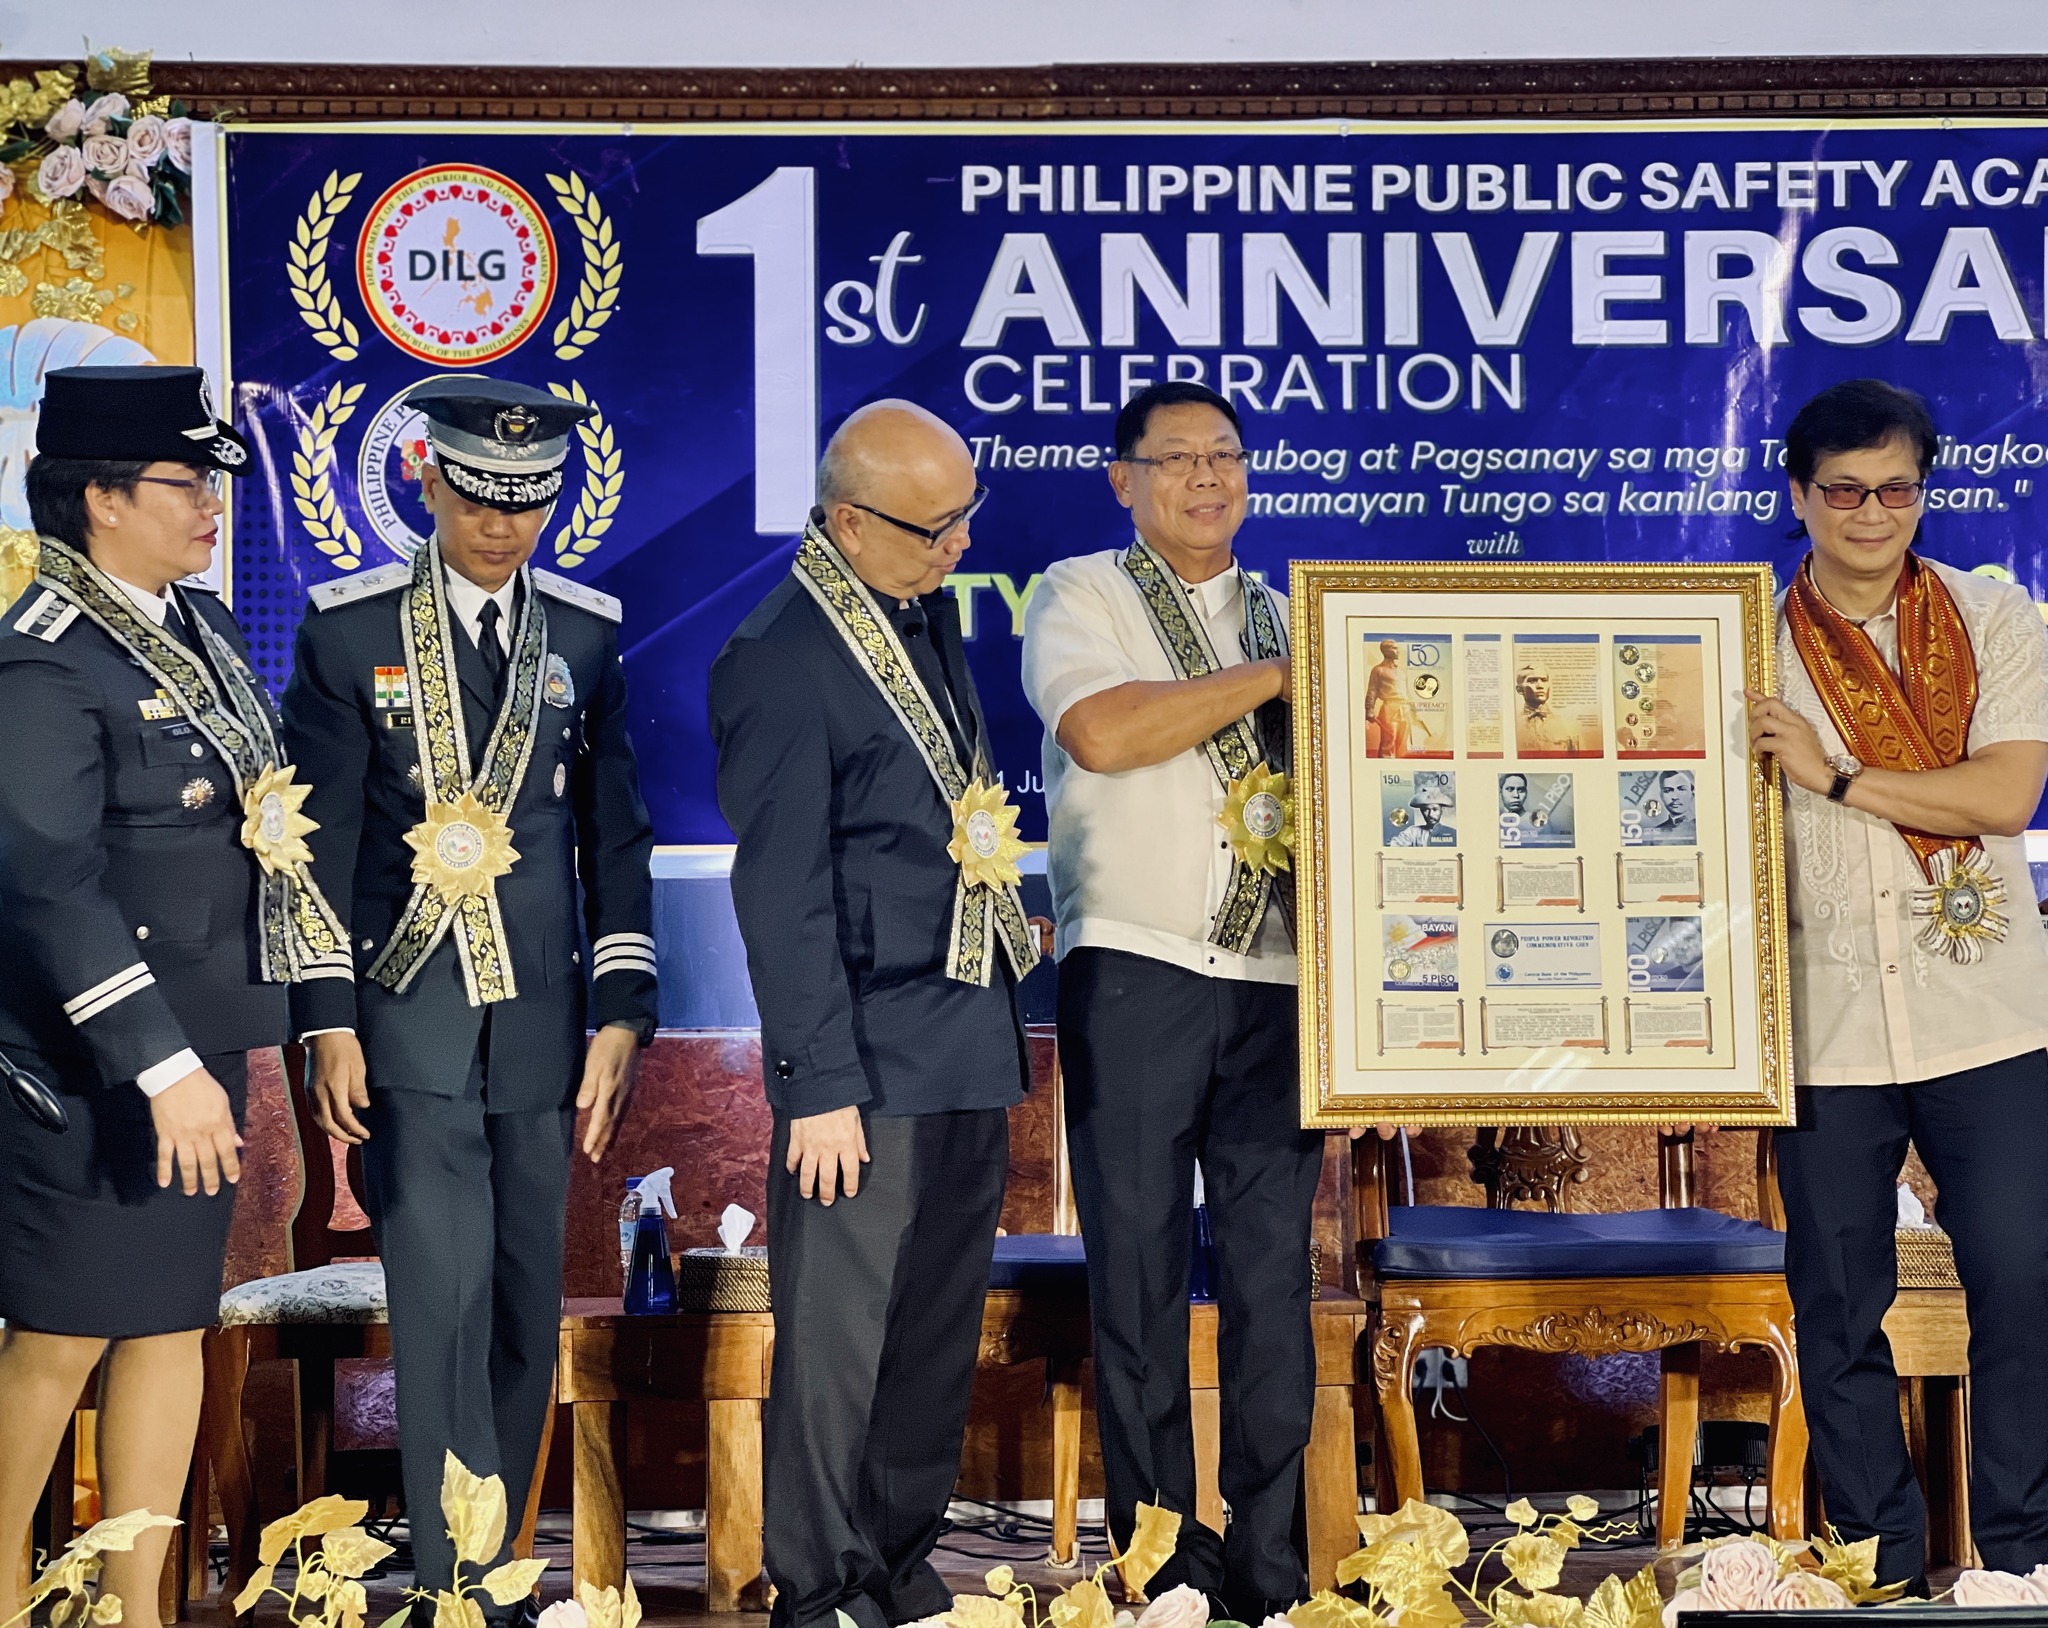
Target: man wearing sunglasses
874 881
1912 733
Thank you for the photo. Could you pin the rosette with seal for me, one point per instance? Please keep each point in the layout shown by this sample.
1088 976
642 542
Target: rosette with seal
985 844
461 848
1258 817
273 829
1959 912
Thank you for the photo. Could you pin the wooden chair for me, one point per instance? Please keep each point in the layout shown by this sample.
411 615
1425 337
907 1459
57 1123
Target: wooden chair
1670 1280
329 1305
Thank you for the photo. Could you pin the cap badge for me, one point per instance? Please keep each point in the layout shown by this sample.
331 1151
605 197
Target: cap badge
516 426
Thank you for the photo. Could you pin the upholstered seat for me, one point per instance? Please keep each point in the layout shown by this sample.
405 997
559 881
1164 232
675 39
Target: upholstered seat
341 1292
1444 1241
1038 1260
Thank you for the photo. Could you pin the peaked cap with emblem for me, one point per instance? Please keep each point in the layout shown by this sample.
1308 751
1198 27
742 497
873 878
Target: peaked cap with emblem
143 414
497 443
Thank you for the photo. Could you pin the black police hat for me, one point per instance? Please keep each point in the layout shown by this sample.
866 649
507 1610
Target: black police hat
498 443
146 414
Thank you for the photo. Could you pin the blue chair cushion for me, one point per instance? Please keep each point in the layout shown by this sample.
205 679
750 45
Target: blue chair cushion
1038 1260
1450 1241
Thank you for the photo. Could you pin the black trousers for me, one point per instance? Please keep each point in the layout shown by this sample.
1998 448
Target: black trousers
468 1208
1983 1135
1165 1068
877 1322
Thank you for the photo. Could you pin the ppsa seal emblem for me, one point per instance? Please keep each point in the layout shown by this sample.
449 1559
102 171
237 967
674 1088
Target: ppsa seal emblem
456 265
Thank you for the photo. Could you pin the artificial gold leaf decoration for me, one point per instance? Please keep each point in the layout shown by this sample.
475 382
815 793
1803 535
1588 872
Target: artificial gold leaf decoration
1534 1559
457 1610
1152 1540
314 1520
1258 817
352 1551
1521 1512
473 1506
1085 1605
1852 1567
273 828
460 850
512 1582
1437 1530
986 848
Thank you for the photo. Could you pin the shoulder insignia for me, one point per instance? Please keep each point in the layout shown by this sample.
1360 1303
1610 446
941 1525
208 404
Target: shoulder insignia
46 617
576 593
339 591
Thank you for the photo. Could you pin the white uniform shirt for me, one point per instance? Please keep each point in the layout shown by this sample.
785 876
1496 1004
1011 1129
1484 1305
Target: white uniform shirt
1137 861
1869 1006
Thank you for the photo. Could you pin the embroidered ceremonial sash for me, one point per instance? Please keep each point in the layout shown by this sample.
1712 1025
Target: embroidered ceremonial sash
446 778
1236 748
301 937
982 911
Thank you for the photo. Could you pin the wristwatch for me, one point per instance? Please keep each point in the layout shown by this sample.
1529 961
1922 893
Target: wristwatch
1846 768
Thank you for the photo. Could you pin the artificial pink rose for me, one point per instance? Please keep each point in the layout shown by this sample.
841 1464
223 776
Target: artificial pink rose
1686 1599
111 106
1735 1576
1998 1588
1804 1591
178 143
129 198
146 140
61 173
1181 1607
66 123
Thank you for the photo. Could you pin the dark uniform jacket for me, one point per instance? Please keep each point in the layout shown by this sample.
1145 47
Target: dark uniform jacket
841 879
577 816
127 901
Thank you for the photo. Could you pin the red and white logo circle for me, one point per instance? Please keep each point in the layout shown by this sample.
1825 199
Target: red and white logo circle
456 264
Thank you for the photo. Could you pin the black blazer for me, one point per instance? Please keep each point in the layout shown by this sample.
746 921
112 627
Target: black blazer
841 879
127 896
578 816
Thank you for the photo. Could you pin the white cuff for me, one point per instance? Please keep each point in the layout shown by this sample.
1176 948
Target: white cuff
160 1077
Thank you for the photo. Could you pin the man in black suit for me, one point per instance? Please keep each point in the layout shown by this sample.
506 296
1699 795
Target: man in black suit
875 885
464 720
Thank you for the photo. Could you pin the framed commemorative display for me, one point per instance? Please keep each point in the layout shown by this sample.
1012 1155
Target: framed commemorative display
1539 878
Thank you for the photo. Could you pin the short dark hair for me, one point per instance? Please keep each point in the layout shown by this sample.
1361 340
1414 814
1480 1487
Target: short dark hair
57 487
1138 411
1853 415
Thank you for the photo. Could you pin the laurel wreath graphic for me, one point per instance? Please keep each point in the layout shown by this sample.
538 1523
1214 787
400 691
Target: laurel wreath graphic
311 291
598 292
313 478
603 480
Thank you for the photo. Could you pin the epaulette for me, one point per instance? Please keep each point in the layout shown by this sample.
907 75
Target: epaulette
576 593
46 616
337 591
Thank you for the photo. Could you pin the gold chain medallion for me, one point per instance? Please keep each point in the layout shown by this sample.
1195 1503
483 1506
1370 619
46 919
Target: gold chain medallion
985 844
1258 815
461 848
273 829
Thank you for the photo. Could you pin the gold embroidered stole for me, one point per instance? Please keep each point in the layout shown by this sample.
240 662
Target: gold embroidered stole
1235 749
301 937
981 912
446 778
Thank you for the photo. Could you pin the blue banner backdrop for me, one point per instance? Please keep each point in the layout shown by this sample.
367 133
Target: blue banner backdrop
1547 342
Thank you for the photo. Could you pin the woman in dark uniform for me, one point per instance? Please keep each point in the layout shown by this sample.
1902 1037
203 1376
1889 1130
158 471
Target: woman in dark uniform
155 900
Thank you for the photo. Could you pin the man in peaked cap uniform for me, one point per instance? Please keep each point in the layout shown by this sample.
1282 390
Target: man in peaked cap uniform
464 717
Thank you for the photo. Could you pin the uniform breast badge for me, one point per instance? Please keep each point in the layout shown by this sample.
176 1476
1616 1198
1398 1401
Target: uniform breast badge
197 793
558 688
985 844
1258 817
461 848
273 829
1960 910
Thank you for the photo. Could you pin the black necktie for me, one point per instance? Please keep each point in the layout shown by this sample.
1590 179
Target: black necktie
489 648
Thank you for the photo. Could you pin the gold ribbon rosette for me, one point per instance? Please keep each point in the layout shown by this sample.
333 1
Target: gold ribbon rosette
273 829
460 849
1258 817
985 844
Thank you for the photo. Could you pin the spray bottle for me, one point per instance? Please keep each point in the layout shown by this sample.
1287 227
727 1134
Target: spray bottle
651 1276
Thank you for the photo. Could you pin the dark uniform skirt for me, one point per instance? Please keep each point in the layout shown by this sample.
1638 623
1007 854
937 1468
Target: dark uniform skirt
89 1244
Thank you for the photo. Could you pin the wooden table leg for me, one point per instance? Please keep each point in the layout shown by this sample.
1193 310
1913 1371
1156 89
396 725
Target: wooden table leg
598 1541
1206 1407
732 1505
1330 1478
1063 1383
1678 1427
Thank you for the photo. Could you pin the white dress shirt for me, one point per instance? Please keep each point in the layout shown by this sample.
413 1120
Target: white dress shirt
466 603
1137 861
1869 1006
162 1076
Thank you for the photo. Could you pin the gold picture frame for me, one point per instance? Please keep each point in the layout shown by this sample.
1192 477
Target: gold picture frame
1540 878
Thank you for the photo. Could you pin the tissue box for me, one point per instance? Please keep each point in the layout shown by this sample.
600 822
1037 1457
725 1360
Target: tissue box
1927 1259
712 1280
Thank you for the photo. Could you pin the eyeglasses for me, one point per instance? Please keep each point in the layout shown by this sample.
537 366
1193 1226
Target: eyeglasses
213 484
1898 494
933 535
1180 465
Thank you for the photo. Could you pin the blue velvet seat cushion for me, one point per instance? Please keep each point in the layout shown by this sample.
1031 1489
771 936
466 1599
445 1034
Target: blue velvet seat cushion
1038 1260
1450 1241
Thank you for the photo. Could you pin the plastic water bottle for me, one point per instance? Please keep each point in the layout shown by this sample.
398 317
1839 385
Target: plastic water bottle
651 1276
